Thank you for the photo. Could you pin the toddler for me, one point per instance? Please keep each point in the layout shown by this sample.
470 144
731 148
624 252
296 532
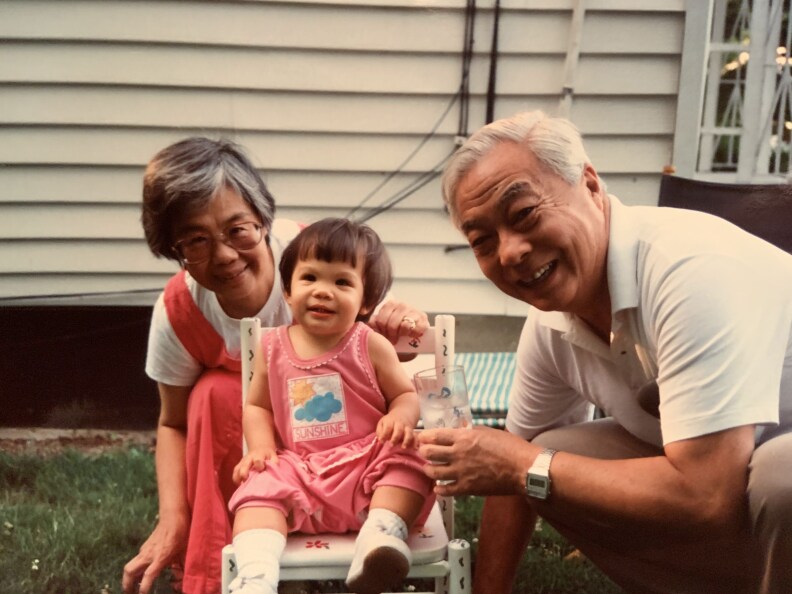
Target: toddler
329 420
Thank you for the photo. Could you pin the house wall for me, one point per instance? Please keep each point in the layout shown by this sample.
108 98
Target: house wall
328 96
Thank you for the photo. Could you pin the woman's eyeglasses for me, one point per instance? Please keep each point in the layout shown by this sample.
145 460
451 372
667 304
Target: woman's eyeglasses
197 247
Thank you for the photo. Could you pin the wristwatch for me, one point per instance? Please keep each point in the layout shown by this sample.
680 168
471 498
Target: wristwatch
537 481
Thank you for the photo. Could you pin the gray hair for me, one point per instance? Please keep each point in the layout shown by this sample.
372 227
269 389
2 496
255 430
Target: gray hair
184 177
555 142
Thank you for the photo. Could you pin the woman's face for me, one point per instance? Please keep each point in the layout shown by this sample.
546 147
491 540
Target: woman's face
242 280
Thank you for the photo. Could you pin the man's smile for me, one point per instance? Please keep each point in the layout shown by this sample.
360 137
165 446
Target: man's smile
539 275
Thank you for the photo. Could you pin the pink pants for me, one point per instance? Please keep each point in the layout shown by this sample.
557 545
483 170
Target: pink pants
214 447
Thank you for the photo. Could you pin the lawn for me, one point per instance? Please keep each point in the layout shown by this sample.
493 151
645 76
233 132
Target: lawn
70 520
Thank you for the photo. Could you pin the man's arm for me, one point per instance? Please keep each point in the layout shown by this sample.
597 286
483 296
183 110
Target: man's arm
699 484
507 524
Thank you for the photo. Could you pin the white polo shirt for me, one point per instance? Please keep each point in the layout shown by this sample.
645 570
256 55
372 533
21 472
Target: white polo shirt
698 305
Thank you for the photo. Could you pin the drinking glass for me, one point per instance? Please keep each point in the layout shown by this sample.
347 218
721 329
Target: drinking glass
443 397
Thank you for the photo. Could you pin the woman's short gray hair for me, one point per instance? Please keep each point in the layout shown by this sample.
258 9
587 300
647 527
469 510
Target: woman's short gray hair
184 177
555 142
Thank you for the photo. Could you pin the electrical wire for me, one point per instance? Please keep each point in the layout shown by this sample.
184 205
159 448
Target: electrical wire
493 69
401 166
410 189
467 58
463 94
20 298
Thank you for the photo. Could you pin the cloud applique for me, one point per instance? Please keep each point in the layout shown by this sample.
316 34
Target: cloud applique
318 408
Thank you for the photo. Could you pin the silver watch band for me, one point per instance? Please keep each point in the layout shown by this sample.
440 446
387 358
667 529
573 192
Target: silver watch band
543 460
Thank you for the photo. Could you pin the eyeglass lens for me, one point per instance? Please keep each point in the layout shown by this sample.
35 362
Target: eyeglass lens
198 247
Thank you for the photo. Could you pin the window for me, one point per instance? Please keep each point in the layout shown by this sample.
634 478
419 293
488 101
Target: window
745 129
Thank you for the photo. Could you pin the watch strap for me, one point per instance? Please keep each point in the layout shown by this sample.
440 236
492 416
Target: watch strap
537 480
542 461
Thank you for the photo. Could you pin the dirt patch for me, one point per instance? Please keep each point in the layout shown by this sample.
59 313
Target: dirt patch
46 442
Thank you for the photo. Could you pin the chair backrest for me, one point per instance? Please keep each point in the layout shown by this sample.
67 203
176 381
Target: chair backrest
438 340
764 210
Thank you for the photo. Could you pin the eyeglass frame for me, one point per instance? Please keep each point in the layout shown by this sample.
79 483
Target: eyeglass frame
214 237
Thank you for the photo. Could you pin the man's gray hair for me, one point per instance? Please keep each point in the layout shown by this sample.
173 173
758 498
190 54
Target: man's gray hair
555 142
184 177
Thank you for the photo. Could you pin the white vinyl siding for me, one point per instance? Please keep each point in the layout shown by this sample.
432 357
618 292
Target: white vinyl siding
327 96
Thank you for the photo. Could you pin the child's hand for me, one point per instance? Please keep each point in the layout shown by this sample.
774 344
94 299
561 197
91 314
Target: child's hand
257 460
396 430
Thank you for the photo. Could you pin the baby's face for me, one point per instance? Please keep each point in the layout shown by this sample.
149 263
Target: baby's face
326 297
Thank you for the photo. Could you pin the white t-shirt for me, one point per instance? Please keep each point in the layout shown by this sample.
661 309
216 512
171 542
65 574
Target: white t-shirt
169 362
697 305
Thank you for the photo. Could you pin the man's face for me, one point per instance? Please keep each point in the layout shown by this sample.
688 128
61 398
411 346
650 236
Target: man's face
537 238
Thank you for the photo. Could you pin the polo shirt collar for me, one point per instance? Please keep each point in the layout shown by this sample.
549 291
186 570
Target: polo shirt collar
574 331
622 282
622 257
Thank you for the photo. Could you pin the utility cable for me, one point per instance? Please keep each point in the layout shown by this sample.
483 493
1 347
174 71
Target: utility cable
401 166
21 298
467 58
493 69
463 94
410 189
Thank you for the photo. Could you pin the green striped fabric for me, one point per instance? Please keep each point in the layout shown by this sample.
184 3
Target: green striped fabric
489 378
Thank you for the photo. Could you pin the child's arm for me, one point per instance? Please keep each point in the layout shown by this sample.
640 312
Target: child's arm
402 401
258 424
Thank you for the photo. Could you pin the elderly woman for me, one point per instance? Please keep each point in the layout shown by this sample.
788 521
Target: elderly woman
205 206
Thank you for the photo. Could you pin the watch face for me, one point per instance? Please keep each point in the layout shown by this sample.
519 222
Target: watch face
538 486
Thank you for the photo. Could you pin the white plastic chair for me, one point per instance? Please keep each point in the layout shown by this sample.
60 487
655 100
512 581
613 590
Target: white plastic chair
436 554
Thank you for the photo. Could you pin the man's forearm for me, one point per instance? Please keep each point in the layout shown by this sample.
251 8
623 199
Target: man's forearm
507 523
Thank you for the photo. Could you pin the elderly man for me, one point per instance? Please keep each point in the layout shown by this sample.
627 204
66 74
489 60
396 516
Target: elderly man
629 303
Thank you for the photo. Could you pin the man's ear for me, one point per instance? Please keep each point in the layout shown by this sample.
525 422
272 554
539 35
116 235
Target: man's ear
593 183
592 179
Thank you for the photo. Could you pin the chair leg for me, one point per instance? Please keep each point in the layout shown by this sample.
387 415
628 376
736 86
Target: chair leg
459 581
229 571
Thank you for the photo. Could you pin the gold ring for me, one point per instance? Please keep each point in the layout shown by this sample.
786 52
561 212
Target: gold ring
410 321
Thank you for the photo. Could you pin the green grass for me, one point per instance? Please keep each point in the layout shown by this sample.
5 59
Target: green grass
69 522
543 569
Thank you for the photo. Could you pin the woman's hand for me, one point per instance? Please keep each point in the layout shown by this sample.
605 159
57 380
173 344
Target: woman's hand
396 429
396 319
164 546
256 459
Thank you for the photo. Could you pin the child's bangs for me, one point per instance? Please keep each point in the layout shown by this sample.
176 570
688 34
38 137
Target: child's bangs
332 245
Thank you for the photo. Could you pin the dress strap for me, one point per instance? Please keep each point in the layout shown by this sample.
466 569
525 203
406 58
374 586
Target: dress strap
192 328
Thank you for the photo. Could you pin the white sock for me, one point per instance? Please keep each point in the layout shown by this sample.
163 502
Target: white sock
386 522
258 554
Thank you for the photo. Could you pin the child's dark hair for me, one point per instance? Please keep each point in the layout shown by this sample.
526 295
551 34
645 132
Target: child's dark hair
342 240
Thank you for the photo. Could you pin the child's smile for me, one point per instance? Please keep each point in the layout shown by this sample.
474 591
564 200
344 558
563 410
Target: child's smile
326 297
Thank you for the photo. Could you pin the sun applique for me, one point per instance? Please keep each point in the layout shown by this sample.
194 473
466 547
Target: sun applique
301 392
